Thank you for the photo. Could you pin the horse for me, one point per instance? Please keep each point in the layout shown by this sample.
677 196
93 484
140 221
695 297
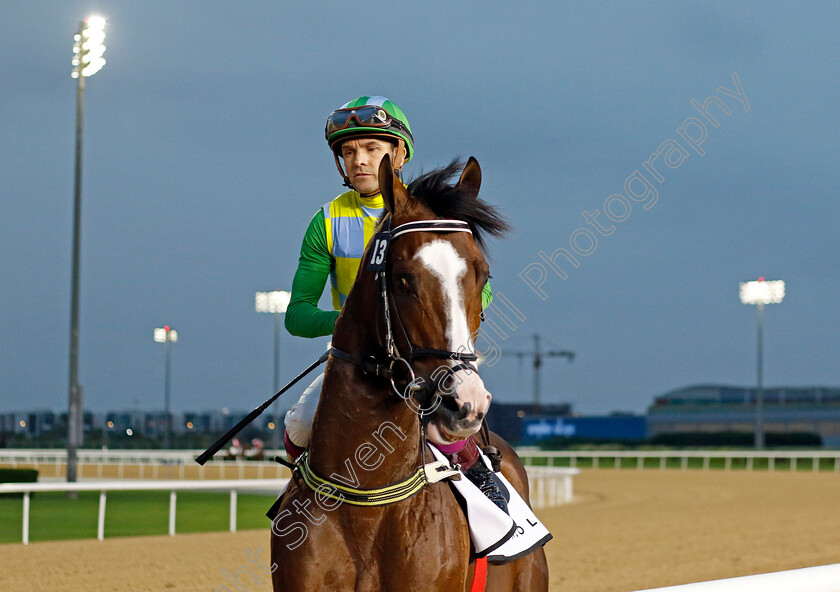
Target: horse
407 326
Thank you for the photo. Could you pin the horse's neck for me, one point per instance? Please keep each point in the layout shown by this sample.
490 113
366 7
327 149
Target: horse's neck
363 431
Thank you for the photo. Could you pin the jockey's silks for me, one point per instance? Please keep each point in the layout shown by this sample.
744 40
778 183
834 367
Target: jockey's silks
332 248
349 222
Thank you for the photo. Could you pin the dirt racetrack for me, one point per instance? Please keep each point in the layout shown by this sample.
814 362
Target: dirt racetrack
627 530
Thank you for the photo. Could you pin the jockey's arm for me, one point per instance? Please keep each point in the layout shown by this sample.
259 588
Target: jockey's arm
486 295
303 317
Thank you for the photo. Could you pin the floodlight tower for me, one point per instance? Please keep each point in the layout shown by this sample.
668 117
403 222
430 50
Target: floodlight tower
88 50
167 336
761 292
276 303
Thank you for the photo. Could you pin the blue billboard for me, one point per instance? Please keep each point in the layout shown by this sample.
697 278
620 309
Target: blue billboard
535 429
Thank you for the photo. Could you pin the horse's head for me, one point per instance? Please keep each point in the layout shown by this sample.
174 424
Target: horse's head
435 280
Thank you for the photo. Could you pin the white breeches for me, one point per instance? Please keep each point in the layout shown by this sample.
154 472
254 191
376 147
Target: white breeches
299 418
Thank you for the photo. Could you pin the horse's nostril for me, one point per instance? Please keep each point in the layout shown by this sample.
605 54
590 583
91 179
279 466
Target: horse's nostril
464 411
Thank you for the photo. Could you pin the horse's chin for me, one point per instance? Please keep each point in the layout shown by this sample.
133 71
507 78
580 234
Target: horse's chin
439 432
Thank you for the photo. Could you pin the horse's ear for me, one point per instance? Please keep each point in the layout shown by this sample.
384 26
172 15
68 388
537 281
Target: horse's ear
390 185
386 182
470 179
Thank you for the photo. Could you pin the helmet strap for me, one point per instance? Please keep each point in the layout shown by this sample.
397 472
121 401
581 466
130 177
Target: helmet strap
399 159
341 172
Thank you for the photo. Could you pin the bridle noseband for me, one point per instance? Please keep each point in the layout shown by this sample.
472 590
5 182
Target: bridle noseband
377 263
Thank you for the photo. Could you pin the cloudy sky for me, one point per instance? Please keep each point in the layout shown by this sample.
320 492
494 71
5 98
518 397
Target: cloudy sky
204 160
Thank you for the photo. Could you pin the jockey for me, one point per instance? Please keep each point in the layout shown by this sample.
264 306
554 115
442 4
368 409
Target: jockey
360 133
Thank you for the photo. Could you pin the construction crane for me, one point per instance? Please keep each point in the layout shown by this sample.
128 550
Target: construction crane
537 355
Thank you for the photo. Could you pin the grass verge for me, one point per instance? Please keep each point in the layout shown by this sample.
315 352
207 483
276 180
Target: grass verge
52 516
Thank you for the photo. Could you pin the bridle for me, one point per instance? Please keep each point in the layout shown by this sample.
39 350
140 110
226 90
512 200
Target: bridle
377 263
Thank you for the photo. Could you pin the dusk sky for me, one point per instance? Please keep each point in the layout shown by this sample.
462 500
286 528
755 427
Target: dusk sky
204 160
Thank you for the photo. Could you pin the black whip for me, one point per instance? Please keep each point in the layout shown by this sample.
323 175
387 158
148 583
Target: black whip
217 445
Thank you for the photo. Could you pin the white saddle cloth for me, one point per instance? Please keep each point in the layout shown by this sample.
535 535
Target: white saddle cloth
499 537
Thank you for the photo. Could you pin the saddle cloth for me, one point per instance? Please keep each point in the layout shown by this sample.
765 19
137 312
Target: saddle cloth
495 535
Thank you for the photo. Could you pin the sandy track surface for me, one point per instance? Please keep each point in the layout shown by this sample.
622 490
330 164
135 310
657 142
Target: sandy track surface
632 530
627 530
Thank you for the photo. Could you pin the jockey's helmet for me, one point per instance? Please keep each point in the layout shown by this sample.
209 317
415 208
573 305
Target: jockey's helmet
369 117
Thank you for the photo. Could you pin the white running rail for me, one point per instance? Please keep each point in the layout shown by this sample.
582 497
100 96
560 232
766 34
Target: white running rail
233 486
549 487
825 578
793 460
140 464
153 462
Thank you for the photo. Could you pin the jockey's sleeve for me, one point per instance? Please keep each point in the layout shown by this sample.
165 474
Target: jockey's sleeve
303 317
486 295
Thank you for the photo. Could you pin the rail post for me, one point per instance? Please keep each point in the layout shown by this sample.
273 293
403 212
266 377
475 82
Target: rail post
173 496
233 510
100 521
26 518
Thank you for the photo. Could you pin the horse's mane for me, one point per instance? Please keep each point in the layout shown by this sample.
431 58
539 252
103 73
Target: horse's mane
448 200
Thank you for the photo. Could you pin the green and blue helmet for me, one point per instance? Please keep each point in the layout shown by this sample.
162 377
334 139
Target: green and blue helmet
369 116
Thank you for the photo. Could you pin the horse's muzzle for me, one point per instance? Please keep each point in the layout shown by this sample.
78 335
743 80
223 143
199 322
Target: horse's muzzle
463 407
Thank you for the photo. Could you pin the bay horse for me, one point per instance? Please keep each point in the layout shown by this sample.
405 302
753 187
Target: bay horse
423 302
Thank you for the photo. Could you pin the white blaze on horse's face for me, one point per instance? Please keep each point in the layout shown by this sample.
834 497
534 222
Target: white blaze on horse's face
443 261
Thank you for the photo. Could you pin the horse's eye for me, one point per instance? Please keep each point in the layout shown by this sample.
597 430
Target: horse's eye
404 283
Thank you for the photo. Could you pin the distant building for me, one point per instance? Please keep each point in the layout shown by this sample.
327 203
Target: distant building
119 422
33 423
716 408
149 423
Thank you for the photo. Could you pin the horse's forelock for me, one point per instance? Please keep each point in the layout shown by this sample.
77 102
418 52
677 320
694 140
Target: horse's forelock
447 199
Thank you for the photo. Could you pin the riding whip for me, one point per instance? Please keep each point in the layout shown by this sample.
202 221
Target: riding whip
217 445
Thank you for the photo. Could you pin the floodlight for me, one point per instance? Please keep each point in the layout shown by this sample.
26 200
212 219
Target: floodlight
89 47
275 302
164 334
762 291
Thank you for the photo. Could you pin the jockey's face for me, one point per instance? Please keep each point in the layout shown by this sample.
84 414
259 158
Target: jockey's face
361 162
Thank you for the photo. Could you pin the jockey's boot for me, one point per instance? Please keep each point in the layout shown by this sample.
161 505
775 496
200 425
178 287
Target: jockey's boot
292 450
476 471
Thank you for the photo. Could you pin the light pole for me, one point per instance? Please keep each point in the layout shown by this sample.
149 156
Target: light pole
167 336
761 292
87 61
276 303
109 425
